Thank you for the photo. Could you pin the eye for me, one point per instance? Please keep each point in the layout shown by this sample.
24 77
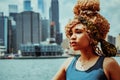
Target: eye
78 31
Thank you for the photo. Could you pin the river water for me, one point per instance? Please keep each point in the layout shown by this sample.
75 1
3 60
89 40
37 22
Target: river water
30 69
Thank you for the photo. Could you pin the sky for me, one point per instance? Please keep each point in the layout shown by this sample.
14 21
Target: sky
109 9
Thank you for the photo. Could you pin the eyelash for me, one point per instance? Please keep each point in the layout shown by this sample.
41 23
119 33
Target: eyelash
71 33
78 32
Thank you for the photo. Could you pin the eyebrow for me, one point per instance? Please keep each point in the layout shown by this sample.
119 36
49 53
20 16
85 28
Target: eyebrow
76 29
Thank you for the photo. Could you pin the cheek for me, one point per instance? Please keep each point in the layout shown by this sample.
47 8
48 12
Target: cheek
83 41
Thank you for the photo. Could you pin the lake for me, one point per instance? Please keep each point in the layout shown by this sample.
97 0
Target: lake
30 69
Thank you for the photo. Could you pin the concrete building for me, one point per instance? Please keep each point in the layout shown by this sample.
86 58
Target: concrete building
111 39
118 43
27 28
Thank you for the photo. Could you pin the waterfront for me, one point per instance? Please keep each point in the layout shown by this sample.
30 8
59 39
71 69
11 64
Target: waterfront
30 69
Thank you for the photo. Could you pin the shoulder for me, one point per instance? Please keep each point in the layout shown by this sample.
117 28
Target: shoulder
60 75
67 62
109 61
111 67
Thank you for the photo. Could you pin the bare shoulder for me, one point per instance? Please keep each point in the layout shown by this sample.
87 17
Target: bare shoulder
110 61
61 74
111 68
67 62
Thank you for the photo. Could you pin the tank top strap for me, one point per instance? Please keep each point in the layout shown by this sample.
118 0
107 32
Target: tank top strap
72 64
99 63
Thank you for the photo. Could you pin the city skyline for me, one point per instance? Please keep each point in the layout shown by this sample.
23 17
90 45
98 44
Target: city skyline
66 8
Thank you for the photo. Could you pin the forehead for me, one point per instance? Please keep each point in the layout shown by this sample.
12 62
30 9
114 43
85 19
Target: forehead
79 26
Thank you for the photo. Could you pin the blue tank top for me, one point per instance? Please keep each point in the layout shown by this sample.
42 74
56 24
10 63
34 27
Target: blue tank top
94 73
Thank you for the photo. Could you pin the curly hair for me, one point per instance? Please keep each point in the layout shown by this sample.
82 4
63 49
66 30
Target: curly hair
88 9
87 13
97 20
82 5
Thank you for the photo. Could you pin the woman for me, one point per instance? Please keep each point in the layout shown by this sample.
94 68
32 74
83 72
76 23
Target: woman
85 32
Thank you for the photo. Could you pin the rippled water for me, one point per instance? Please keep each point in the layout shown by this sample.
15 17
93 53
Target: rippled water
30 69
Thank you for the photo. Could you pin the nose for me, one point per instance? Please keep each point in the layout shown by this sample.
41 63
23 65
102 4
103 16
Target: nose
73 37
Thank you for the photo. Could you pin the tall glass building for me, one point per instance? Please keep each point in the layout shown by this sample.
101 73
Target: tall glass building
5 32
54 17
27 5
54 14
41 7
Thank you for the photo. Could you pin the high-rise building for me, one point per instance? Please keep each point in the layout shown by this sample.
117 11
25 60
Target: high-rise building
45 29
2 30
118 43
42 8
54 17
27 5
5 32
13 8
54 14
27 28
111 39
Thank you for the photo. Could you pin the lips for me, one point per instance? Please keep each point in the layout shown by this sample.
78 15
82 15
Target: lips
73 43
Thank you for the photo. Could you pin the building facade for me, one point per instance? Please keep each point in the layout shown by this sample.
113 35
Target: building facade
27 5
45 29
13 8
27 28
118 43
13 11
41 49
54 17
42 8
111 39
5 33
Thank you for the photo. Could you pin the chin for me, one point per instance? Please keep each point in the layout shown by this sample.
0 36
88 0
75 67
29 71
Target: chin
75 49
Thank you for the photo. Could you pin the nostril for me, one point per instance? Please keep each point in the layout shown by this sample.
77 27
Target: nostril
73 37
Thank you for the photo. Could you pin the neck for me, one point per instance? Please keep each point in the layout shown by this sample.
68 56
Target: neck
87 53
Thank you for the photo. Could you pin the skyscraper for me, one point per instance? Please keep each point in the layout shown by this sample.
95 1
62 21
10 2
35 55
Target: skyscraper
13 8
27 28
13 11
54 14
118 43
111 39
27 5
45 29
2 30
54 17
5 32
42 8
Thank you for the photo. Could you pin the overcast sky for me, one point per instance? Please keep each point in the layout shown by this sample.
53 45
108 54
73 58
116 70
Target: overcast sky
109 9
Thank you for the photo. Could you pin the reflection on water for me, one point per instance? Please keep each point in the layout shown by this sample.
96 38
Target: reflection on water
30 69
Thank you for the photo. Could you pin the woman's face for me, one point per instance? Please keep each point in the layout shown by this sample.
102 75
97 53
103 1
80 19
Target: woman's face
79 38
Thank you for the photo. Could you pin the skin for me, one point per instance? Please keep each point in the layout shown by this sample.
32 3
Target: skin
79 40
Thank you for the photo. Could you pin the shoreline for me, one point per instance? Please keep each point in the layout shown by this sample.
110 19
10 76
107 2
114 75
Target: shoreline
42 57
39 57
